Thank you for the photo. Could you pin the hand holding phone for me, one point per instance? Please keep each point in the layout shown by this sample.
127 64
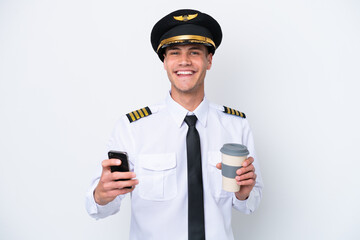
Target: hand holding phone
106 190
124 166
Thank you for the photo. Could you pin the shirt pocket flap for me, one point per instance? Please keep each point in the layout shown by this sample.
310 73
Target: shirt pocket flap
157 162
214 158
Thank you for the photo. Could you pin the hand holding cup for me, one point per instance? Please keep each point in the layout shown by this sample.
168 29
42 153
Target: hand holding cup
237 170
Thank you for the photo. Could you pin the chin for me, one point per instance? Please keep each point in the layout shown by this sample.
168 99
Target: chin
185 89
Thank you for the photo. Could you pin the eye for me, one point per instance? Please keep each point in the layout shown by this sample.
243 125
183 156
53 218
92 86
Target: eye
173 52
195 52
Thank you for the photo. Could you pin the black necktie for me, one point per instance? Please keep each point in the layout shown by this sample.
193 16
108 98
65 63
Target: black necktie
196 225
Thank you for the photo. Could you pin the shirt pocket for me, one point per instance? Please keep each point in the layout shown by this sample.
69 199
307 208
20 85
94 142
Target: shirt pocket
215 177
157 176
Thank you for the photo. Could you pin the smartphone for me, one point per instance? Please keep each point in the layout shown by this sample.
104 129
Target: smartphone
124 167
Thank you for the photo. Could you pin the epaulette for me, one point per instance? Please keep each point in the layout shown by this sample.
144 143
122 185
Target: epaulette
137 114
234 112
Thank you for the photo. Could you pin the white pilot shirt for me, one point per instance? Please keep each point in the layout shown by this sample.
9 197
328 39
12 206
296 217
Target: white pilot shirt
156 145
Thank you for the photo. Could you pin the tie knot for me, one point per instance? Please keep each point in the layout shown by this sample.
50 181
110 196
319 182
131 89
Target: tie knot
191 120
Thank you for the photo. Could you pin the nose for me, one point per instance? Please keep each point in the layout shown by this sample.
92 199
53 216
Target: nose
184 60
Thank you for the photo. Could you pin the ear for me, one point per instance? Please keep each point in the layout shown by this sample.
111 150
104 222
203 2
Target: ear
209 61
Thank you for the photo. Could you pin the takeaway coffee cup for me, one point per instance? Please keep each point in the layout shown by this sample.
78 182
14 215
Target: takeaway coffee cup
233 155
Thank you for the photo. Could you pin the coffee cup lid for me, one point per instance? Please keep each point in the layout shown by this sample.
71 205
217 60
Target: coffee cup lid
234 149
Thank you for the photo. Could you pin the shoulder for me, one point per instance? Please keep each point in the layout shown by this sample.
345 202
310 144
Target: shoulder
226 111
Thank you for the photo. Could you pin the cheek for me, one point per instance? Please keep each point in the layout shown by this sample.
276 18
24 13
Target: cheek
167 65
167 69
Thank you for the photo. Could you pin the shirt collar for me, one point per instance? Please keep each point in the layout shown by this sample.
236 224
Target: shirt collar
178 112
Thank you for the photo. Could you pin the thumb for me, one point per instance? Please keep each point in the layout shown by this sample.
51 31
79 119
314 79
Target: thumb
218 166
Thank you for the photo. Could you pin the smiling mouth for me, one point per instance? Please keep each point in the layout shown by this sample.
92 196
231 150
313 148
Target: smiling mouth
184 73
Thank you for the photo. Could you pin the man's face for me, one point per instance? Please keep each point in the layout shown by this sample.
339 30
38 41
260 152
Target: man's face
186 67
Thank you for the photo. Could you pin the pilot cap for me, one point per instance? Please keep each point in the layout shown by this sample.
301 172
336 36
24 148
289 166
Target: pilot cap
185 26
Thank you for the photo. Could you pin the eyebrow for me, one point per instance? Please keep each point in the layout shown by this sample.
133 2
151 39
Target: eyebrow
195 48
173 48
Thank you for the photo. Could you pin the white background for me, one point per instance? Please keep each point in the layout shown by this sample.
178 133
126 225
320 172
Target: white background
69 69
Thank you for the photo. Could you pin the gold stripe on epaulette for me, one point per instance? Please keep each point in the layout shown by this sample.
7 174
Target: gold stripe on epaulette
145 111
234 112
137 114
141 113
131 116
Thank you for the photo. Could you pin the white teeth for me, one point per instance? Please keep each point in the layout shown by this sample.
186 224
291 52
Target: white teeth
184 73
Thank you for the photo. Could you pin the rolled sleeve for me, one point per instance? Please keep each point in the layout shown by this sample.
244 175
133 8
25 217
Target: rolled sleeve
250 204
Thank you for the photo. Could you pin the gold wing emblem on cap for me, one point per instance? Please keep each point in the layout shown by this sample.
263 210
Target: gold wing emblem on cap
185 17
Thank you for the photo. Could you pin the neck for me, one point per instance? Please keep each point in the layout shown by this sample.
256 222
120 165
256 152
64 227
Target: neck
189 101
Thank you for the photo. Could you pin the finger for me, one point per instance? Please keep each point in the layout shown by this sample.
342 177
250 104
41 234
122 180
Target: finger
106 175
122 175
120 184
116 192
218 166
244 170
248 161
249 175
126 184
110 162
248 182
127 190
